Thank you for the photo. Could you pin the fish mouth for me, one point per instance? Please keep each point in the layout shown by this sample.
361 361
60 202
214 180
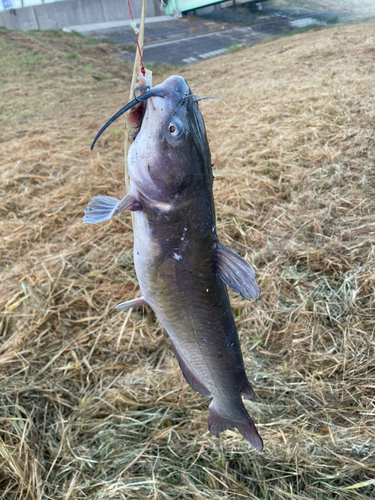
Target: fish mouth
154 92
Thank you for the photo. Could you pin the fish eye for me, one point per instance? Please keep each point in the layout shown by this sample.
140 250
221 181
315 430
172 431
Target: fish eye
175 129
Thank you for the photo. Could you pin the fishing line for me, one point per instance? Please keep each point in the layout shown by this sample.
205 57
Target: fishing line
134 26
144 75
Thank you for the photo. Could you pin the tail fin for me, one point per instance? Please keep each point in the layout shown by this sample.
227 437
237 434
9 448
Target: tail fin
217 424
99 209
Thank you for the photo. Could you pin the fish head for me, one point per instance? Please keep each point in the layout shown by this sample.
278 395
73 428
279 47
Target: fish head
170 153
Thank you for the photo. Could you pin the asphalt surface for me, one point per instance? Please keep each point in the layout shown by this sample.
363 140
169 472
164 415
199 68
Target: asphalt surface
195 38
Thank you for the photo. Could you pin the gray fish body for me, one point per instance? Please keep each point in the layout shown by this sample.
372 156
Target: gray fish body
179 262
176 272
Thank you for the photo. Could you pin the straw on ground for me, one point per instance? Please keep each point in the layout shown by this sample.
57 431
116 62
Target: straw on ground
93 404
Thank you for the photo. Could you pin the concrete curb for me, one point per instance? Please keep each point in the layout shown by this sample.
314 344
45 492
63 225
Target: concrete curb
87 28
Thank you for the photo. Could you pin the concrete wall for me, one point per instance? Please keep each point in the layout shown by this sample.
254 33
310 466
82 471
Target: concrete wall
72 12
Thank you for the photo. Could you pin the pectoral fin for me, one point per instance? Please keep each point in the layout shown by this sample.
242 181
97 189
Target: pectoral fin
189 376
236 272
140 301
103 208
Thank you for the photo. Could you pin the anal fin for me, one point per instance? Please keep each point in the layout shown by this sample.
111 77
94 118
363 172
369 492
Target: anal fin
247 429
236 272
140 301
189 376
247 391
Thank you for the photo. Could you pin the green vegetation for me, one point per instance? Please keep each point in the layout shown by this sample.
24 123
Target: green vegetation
151 65
334 20
75 33
91 46
33 32
297 31
57 33
70 55
32 59
235 48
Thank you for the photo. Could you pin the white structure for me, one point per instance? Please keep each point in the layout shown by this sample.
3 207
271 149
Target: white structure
50 14
16 4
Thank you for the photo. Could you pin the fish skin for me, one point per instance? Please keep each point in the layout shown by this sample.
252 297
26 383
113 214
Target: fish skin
175 254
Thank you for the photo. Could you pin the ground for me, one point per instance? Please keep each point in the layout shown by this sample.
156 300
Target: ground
92 402
200 37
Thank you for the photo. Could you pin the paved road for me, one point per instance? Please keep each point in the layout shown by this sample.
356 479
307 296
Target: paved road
191 39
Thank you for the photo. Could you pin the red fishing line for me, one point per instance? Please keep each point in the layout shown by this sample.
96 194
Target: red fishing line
136 39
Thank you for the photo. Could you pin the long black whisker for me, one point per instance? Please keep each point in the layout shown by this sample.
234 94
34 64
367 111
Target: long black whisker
111 120
190 95
143 97
204 98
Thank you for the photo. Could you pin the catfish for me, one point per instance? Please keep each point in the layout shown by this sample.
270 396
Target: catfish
181 266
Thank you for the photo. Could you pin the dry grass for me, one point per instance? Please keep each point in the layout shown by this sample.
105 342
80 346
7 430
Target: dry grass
93 405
